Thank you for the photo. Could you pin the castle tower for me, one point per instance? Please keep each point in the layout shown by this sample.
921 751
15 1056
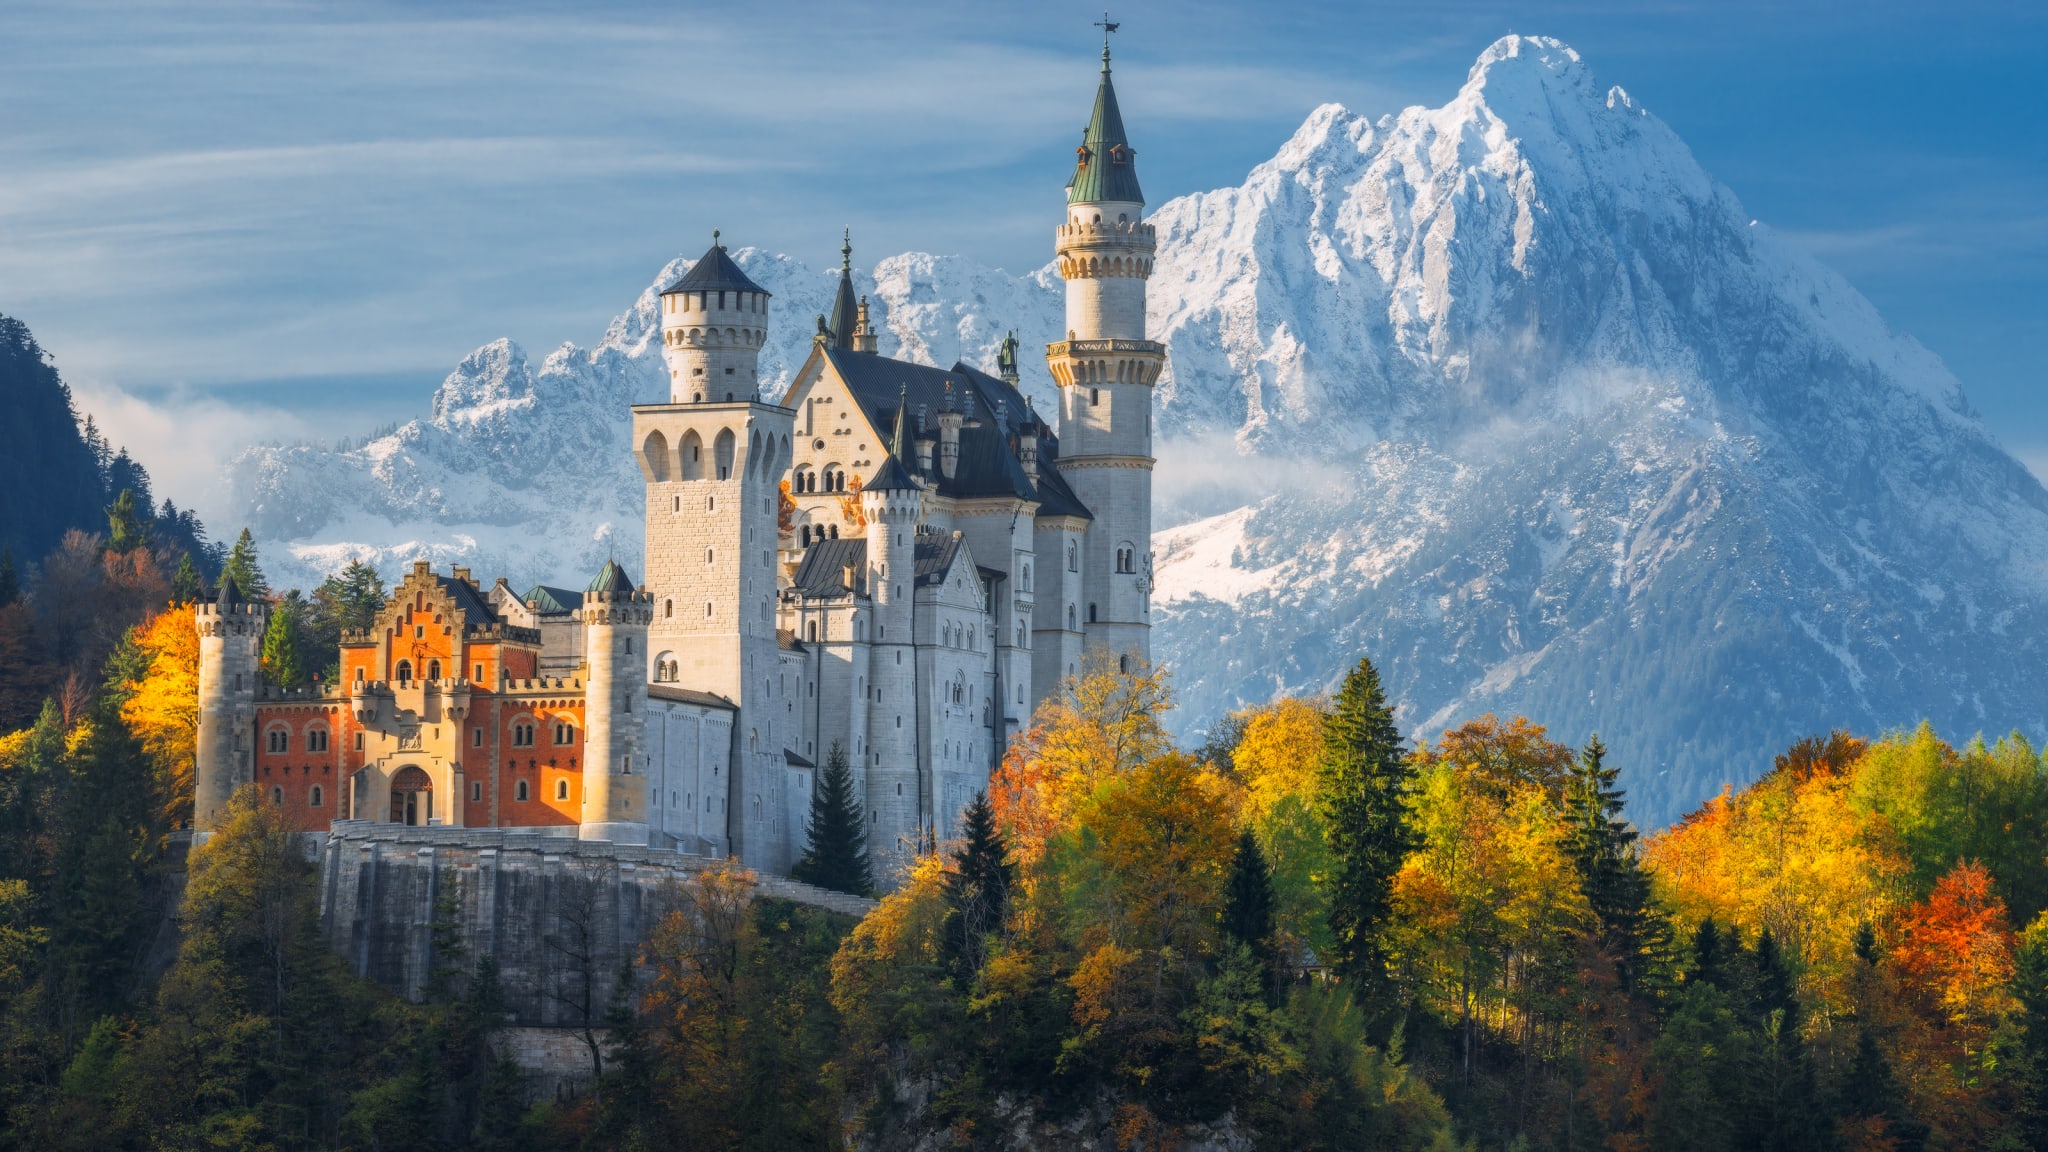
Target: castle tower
713 321
892 503
713 468
230 651
1105 370
615 764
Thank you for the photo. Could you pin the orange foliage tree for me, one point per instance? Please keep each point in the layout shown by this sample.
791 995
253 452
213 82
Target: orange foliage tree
1958 947
161 706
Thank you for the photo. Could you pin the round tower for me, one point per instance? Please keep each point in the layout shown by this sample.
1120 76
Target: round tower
713 322
892 503
615 619
1105 369
230 653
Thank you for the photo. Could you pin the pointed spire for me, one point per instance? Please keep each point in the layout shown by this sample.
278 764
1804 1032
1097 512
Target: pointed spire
902 413
844 315
893 476
1105 166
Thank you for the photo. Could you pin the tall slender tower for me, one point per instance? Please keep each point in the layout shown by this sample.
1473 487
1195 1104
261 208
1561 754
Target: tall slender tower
1105 369
230 650
615 766
892 502
713 458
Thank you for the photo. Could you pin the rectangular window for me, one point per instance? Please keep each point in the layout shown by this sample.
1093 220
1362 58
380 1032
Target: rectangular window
476 737
359 741
477 674
476 793
316 740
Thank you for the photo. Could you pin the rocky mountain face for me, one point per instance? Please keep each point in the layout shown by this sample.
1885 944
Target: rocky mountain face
1509 395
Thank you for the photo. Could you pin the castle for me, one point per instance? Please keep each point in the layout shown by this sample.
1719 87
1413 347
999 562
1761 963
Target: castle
896 562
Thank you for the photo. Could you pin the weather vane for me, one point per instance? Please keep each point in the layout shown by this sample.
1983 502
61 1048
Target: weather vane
1107 27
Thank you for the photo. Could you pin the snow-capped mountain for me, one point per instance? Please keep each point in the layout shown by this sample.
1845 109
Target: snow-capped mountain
1521 403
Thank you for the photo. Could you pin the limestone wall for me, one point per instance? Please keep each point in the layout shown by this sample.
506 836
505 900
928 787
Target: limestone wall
553 910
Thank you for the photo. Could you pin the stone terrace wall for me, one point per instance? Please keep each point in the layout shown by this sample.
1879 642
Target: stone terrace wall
551 909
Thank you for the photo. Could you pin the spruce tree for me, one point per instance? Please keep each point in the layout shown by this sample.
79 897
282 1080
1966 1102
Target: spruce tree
127 529
186 585
283 665
241 566
978 884
837 857
1602 846
1781 1109
1248 897
1364 776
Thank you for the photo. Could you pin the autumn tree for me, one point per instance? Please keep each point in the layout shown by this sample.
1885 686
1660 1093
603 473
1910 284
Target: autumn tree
158 697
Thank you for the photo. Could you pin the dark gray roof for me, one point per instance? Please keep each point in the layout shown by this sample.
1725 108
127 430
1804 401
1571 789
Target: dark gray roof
610 579
821 574
795 761
552 601
934 556
475 609
689 696
892 476
714 271
785 639
987 464
230 596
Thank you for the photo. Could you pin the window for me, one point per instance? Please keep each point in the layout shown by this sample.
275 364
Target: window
561 789
476 737
1070 617
1073 557
277 797
1094 397
316 739
519 790
405 671
433 669
313 801
668 609
710 555
476 792
477 674
522 734
629 645
278 740
359 741
1027 577
1091 613
565 733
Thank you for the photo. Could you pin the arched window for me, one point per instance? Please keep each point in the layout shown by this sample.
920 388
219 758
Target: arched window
313 801
668 609
1070 617
1073 557
811 631
277 797
1091 613
433 669
692 450
405 671
519 791
561 789
655 452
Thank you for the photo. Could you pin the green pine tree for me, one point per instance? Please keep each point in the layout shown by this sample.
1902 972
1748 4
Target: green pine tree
187 586
283 665
127 530
1364 792
2030 987
242 567
1603 848
977 885
1781 1107
1248 897
837 857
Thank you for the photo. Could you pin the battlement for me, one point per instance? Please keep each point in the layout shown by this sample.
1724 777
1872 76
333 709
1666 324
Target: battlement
255 608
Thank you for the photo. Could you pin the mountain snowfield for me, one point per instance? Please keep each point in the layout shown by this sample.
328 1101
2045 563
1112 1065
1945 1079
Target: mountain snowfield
1509 395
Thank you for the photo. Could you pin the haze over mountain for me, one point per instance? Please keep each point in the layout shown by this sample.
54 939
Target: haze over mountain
1508 394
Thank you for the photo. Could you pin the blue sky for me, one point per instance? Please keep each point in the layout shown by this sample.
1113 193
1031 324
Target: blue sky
278 219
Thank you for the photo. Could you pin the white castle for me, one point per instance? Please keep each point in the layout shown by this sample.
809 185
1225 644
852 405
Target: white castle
897 560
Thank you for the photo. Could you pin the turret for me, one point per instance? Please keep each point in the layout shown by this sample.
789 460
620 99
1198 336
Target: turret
615 766
230 651
713 322
1105 369
892 503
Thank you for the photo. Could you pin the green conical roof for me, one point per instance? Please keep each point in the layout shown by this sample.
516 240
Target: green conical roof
845 313
610 579
1106 166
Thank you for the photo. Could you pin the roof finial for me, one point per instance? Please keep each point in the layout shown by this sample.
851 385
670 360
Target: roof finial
902 413
1107 27
846 251
714 239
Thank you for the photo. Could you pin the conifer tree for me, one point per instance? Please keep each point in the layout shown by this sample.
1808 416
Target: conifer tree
1602 846
127 530
241 566
978 884
1364 792
186 585
837 857
282 663
10 580
1781 1108
1248 897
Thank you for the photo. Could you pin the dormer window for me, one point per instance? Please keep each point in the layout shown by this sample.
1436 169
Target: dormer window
1081 156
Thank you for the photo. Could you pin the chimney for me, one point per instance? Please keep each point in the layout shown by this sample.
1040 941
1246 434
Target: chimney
950 423
924 455
1027 450
863 332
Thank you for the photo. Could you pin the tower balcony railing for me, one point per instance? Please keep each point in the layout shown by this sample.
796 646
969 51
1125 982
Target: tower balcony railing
1109 230
1105 348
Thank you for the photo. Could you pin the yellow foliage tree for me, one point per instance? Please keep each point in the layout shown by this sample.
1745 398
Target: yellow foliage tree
1277 754
162 706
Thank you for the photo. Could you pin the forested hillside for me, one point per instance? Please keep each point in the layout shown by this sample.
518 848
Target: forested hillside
1314 931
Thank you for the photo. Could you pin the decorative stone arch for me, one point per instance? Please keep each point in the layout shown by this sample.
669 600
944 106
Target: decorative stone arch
722 450
277 737
666 667
654 458
691 455
412 796
757 462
